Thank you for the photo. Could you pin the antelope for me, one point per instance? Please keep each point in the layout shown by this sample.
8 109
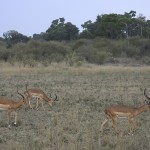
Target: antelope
128 112
11 106
39 95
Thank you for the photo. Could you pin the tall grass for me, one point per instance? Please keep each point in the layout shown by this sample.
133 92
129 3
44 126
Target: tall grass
73 123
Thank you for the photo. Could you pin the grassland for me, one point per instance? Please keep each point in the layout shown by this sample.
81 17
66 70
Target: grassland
73 123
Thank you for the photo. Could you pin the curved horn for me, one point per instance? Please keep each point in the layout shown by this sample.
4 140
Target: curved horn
146 94
20 94
55 97
26 86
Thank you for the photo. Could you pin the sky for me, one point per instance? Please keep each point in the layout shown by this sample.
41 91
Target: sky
35 16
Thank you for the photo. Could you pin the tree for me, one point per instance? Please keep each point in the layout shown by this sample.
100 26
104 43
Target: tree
116 26
59 30
131 14
38 36
86 34
71 31
107 25
13 37
148 29
56 31
88 30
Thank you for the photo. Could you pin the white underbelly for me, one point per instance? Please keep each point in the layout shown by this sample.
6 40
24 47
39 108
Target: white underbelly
1 109
122 115
2 106
35 96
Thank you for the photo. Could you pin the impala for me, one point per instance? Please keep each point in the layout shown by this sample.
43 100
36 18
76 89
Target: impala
39 95
128 112
10 106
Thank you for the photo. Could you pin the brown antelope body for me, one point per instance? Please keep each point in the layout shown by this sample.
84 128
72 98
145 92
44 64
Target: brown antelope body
11 106
129 112
39 95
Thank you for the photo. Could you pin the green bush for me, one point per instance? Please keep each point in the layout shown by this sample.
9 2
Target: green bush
56 57
98 50
102 57
132 51
146 60
80 43
87 52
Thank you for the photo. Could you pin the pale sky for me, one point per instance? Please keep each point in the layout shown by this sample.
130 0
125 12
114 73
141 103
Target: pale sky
35 16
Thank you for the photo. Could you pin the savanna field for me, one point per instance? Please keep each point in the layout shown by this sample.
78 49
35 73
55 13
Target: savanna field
73 123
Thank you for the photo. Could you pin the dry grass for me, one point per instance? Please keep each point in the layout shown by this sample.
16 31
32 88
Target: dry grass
74 122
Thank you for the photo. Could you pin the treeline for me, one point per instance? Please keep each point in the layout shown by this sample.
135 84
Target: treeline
109 38
77 52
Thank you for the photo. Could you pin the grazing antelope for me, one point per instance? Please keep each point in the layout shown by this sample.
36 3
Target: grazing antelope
40 96
128 112
11 106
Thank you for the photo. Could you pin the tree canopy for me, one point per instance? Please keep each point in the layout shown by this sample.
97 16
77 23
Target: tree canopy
111 26
59 30
117 26
13 37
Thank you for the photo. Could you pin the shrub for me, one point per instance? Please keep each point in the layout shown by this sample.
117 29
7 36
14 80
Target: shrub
102 57
146 60
80 43
132 51
56 57
79 63
5 54
87 52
